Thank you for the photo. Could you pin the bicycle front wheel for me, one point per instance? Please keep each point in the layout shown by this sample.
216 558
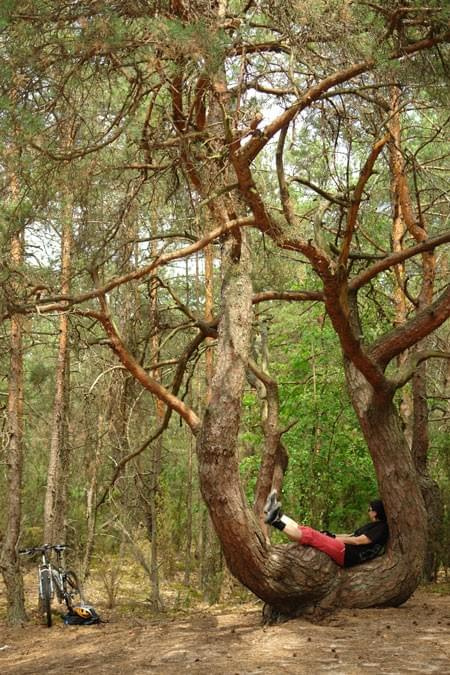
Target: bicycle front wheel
46 596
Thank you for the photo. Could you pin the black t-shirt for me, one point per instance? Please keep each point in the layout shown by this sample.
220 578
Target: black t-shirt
378 534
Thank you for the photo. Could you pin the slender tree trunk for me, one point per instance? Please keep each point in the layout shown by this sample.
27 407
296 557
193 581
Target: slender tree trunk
156 599
57 472
156 455
401 303
189 486
95 433
203 540
211 557
274 456
9 562
209 311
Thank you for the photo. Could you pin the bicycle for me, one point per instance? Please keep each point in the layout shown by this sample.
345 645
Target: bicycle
54 579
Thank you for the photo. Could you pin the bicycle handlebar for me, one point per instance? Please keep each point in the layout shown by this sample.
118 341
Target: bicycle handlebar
42 549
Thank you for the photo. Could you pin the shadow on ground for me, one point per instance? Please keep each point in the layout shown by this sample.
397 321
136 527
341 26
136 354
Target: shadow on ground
414 638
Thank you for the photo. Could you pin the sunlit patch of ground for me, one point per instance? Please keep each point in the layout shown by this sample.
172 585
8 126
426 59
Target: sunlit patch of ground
414 638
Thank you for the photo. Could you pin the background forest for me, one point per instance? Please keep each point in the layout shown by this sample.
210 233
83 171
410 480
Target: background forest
103 280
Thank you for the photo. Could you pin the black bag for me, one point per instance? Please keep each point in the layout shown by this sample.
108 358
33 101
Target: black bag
85 615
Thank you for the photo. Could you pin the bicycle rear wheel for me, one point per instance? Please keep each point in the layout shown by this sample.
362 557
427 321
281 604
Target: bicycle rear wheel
46 596
72 588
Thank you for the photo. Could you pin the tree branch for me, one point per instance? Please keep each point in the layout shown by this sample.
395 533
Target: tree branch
260 48
334 199
352 214
409 368
256 144
138 372
290 296
62 302
411 332
390 261
176 384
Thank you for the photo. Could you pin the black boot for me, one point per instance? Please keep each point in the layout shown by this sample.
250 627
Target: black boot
272 509
278 523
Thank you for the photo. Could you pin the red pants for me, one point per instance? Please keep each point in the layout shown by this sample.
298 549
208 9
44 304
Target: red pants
332 547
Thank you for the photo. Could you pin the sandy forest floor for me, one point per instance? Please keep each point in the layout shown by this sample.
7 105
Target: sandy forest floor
232 641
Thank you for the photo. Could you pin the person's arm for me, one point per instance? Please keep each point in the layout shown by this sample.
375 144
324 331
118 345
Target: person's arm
359 540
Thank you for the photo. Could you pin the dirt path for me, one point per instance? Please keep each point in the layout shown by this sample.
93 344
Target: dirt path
412 639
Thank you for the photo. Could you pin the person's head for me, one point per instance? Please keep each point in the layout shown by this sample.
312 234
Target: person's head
376 510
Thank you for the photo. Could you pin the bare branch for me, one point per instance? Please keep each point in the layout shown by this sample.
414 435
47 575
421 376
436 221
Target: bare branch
334 199
189 350
259 48
409 368
138 372
390 261
286 201
364 176
290 296
62 302
254 146
408 334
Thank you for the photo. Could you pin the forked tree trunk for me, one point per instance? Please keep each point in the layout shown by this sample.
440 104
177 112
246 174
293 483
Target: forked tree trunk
294 579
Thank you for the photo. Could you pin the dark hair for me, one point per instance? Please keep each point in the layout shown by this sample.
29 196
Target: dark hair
377 506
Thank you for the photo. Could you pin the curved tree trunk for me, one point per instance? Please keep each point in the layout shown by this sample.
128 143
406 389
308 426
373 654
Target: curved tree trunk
294 579
398 483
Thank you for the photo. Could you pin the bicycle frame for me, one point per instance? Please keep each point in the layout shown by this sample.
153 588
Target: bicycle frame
54 578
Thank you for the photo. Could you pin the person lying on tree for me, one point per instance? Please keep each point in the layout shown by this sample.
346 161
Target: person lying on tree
346 550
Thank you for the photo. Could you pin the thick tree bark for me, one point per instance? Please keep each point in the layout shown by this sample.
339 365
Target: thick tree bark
430 489
216 445
9 562
398 483
212 559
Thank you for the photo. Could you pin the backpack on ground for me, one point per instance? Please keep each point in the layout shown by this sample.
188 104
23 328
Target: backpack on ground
81 615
